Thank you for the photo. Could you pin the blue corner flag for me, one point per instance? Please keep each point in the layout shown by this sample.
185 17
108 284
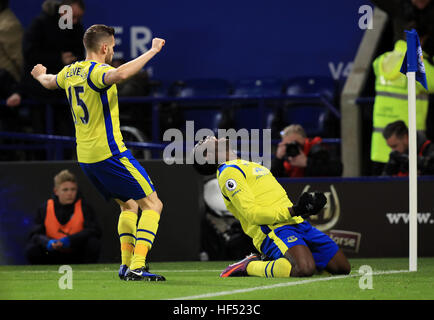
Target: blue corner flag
413 60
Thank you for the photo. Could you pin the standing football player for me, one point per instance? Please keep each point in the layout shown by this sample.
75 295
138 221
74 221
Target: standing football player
277 228
90 87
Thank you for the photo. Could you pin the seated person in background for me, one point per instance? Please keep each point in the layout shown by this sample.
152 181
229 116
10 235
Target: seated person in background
66 229
396 135
299 156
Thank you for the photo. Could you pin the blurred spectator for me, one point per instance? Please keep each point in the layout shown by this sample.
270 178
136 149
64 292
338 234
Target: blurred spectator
137 115
11 36
46 43
66 229
396 135
405 15
408 14
391 100
138 85
299 156
11 62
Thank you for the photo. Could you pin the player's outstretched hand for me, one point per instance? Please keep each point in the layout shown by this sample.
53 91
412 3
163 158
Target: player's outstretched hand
309 204
38 70
157 44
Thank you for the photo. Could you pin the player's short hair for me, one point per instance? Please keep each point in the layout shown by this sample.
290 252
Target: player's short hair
95 34
398 128
293 128
204 169
64 176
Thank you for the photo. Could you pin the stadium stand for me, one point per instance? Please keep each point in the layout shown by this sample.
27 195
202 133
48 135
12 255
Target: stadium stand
205 115
312 115
259 113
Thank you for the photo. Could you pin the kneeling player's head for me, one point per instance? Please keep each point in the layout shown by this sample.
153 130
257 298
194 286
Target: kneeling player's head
208 153
99 39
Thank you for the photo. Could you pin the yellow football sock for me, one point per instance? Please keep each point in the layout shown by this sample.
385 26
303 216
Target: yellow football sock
280 268
145 235
127 235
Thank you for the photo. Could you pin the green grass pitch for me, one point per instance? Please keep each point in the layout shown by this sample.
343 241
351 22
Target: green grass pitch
200 280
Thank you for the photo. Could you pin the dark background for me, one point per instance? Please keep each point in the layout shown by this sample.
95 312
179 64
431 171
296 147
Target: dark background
25 186
364 203
231 39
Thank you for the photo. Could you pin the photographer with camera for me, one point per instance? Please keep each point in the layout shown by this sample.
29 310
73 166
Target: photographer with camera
396 135
298 156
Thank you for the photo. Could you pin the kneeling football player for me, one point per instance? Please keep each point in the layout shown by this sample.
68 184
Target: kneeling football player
277 227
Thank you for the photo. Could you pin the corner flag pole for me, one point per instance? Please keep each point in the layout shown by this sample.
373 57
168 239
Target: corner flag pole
414 69
412 178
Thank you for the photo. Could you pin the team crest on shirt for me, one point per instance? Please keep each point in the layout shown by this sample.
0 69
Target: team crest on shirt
292 239
259 172
231 184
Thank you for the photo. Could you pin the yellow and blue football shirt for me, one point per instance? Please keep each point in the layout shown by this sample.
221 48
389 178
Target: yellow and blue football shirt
95 110
255 198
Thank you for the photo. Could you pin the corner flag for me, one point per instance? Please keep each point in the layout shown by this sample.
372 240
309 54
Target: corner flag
413 60
414 69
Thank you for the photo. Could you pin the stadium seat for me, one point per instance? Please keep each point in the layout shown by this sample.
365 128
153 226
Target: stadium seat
201 88
159 88
205 115
248 117
310 85
247 114
255 87
312 115
312 118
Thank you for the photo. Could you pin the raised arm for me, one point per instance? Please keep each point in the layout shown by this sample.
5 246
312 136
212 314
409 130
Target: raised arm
130 68
39 72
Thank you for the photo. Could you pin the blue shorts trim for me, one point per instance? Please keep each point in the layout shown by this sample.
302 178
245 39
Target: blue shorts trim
276 243
119 177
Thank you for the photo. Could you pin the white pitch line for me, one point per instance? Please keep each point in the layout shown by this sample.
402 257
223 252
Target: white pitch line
114 271
282 284
158 270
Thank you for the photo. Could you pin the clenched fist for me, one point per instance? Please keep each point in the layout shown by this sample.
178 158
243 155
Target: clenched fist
38 70
157 44
309 204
